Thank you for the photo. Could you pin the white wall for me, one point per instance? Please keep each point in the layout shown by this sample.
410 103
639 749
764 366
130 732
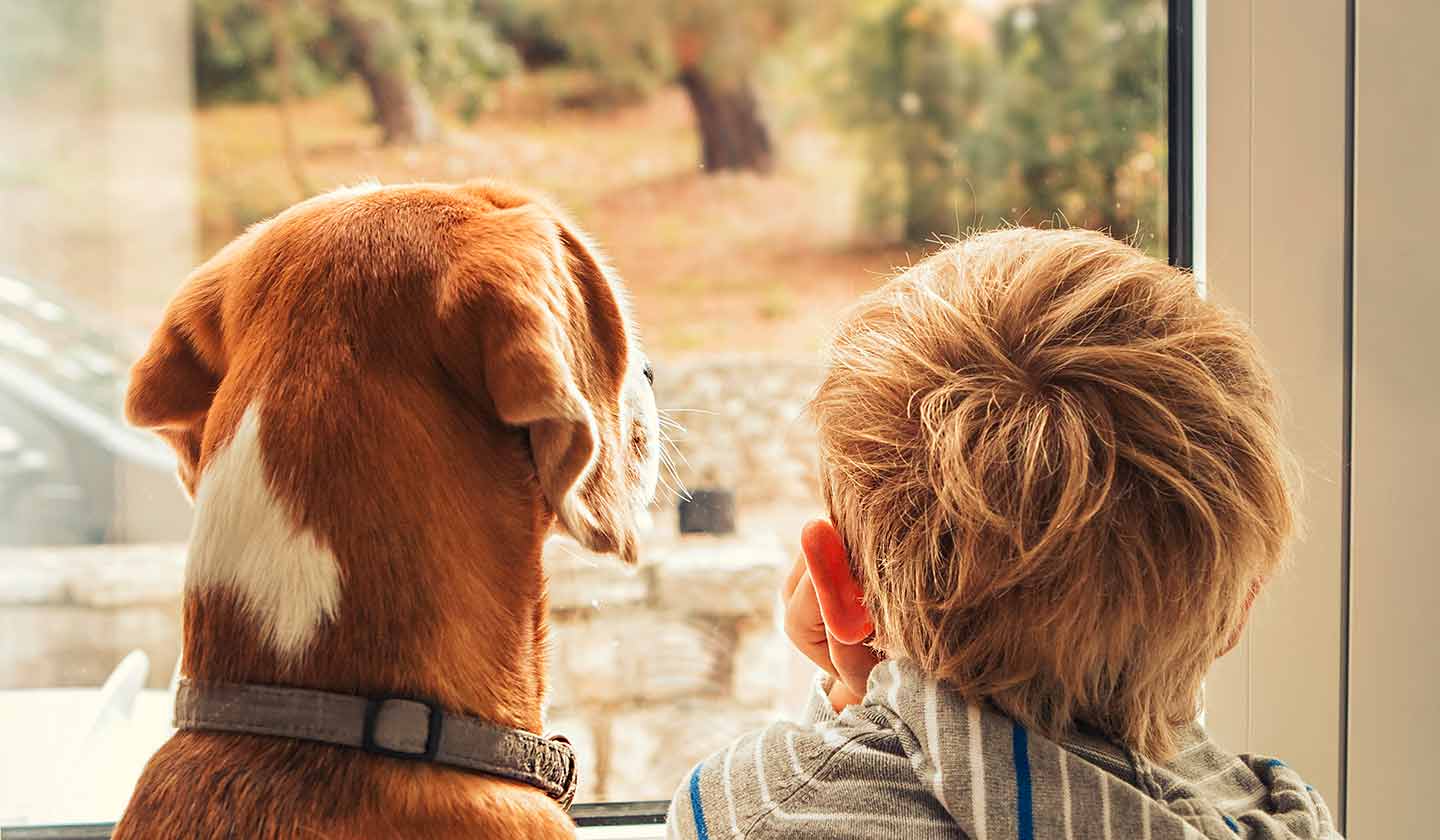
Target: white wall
1394 714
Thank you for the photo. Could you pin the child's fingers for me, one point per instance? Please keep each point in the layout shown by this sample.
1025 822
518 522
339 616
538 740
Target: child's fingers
852 663
805 627
792 579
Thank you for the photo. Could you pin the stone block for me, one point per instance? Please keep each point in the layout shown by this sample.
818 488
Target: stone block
582 580
68 645
100 576
653 747
124 575
613 657
31 578
767 671
733 576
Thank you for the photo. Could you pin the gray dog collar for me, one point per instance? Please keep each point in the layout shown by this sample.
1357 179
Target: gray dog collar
409 728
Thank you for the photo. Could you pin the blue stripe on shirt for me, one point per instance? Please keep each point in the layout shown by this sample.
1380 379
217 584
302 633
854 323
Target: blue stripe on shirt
695 807
1024 811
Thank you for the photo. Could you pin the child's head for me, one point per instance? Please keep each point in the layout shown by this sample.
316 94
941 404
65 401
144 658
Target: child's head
1058 473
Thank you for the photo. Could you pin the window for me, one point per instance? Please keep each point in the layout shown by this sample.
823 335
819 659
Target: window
750 166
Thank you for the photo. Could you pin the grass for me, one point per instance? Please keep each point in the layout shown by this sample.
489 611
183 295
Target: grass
714 263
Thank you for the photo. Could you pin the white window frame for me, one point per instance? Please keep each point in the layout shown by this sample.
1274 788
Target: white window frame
1271 244
1315 174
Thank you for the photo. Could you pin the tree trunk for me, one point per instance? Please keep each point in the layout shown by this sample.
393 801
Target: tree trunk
401 106
732 135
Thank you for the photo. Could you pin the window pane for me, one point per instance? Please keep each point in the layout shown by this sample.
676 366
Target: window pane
749 166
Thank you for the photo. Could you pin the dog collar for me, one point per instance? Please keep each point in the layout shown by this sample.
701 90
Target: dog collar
396 726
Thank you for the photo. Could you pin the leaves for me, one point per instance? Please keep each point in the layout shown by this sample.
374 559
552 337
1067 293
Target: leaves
453 51
1050 109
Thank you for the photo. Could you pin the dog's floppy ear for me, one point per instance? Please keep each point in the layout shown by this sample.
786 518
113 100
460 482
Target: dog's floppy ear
173 384
531 325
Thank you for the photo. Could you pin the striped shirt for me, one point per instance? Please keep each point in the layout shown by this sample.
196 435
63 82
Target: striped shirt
915 760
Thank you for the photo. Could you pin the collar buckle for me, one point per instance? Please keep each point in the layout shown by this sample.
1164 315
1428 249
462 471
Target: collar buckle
436 727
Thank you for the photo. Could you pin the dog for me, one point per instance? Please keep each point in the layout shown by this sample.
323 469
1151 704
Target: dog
382 400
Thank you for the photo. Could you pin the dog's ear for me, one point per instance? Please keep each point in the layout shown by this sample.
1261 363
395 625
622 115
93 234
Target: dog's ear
173 384
531 325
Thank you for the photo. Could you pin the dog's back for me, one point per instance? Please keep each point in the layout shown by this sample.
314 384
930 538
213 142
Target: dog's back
382 400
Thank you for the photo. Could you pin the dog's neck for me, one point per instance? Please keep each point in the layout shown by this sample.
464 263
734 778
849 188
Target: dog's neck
371 570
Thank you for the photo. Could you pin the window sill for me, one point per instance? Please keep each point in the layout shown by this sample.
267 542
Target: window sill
595 821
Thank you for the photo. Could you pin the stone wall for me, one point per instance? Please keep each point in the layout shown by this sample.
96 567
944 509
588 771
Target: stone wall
68 615
745 426
652 668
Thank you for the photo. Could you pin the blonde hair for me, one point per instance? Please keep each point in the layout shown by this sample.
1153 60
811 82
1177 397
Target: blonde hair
1058 473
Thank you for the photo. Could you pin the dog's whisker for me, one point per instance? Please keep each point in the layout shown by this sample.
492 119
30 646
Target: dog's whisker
678 483
677 452
670 424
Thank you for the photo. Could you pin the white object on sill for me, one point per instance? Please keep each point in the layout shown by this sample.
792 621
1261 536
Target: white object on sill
117 697
51 772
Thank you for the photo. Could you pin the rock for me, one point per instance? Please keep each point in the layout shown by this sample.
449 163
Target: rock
583 580
99 576
621 656
652 748
132 575
31 580
737 576
762 659
68 645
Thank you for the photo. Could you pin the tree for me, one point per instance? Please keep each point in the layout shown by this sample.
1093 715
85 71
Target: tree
404 52
909 82
1048 108
1084 119
385 61
710 47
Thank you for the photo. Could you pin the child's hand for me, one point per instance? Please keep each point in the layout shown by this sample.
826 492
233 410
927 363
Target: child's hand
823 614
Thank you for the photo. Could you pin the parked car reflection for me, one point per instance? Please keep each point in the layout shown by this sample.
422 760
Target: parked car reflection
62 436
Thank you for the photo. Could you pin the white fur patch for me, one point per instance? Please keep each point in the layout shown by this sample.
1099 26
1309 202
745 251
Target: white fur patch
246 541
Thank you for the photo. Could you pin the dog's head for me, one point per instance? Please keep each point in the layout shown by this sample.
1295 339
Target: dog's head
481 303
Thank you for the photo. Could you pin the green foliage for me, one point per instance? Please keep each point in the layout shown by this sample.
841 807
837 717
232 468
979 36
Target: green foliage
527 28
638 45
459 57
1052 108
454 52
235 53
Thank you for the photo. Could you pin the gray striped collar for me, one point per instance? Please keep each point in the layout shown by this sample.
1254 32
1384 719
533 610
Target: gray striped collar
409 728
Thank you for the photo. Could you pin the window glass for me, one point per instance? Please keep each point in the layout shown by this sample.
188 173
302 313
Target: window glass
749 166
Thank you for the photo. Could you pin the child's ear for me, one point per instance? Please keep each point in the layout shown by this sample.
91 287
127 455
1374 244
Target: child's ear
841 599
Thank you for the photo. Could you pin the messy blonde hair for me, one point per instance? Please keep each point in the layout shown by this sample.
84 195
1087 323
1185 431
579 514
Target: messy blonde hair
1058 473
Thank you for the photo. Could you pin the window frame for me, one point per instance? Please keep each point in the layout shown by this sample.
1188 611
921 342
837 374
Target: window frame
1272 225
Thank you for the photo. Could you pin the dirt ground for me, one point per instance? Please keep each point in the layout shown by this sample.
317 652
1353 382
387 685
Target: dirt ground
715 263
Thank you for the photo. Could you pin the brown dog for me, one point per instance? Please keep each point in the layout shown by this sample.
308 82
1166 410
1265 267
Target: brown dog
382 399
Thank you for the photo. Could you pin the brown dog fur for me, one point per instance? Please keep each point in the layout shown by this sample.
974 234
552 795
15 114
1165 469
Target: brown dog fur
439 371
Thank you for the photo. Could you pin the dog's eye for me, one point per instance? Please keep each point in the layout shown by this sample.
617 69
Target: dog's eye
650 374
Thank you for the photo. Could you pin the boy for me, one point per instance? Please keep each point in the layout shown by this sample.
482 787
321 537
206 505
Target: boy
1055 485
